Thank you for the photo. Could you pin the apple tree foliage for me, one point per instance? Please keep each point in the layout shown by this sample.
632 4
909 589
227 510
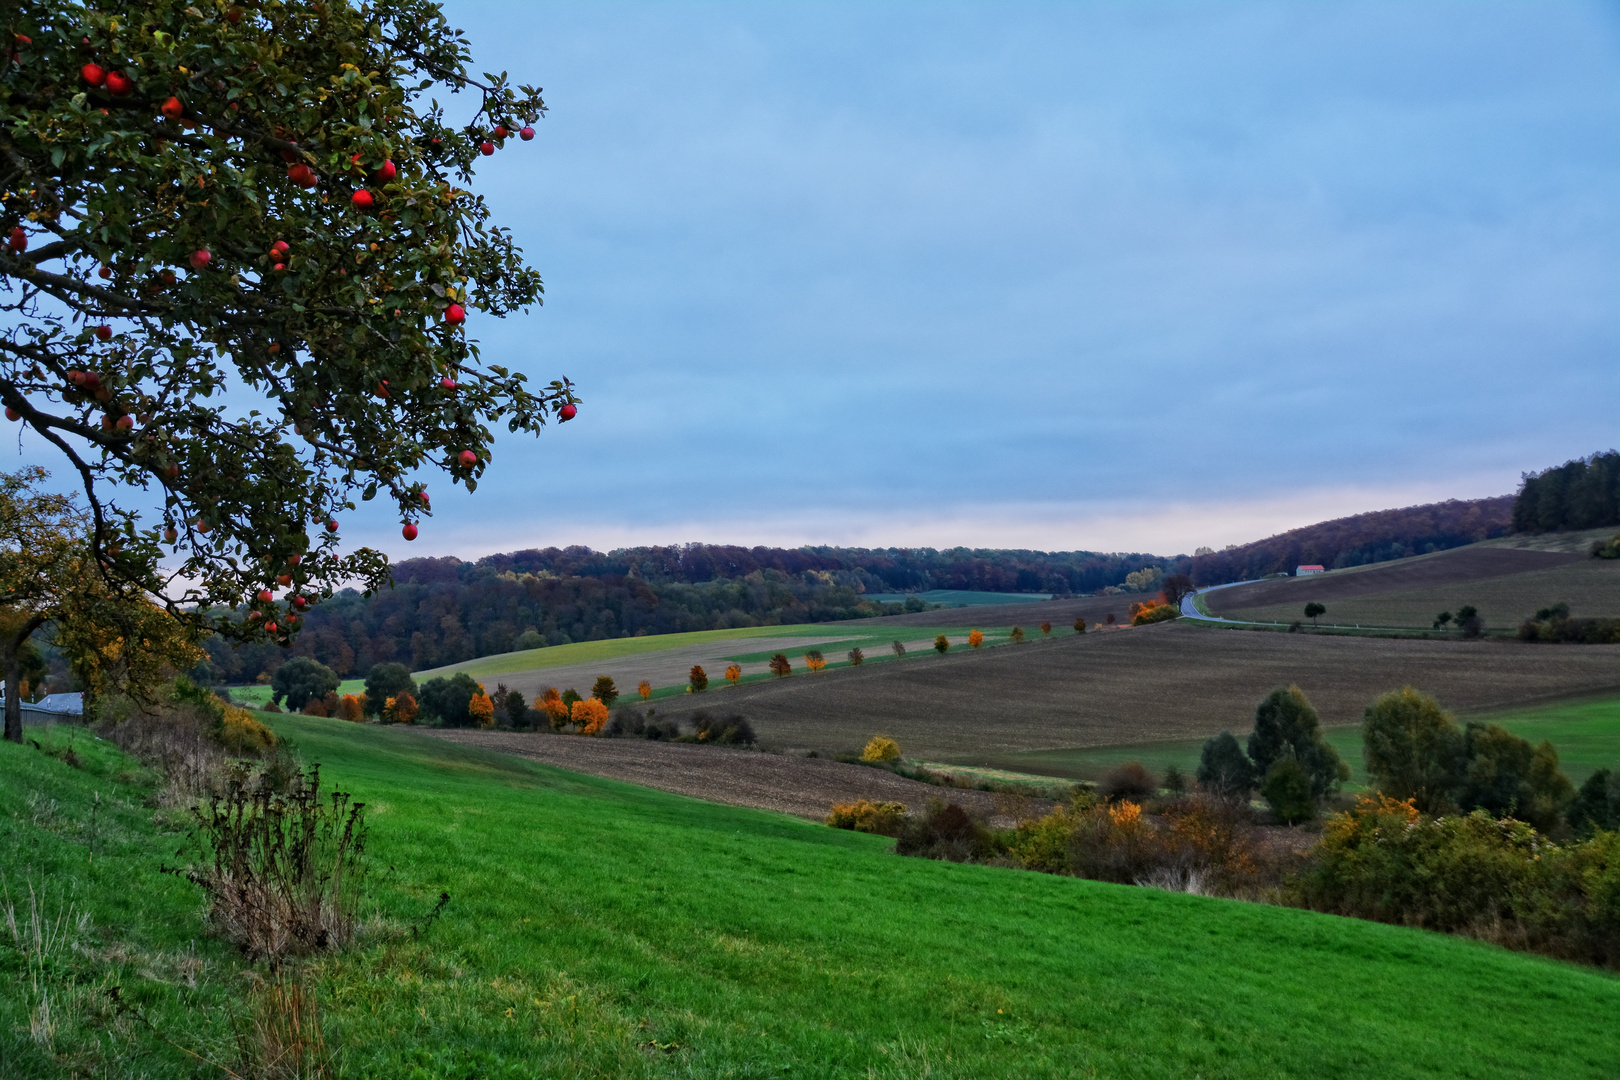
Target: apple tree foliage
237 244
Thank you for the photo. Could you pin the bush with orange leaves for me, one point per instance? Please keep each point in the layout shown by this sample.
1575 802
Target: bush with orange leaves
976 638
556 712
351 707
589 715
644 688
733 673
481 710
814 660
400 709
1151 611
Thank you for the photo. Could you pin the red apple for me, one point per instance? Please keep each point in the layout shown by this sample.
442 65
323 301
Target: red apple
168 277
279 267
125 422
566 413
386 173
172 108
200 258
106 423
255 615
284 580
270 627
302 175
118 83
382 390
455 314
409 531
265 596
105 272
233 15
104 332
279 249
300 603
18 240
94 74
448 383
170 535
12 414
331 526
501 132
172 472
468 459
362 199
527 133
92 381
486 148
294 559
424 496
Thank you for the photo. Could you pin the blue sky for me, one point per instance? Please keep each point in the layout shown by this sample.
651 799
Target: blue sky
1117 276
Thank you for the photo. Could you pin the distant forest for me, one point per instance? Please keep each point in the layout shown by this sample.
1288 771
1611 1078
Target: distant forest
1580 494
443 611
1365 538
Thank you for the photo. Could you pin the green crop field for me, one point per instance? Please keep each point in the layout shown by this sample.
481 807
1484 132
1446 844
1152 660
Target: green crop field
959 597
1586 734
585 652
599 929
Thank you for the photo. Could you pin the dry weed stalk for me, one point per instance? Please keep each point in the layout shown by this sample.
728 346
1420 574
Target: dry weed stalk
284 1040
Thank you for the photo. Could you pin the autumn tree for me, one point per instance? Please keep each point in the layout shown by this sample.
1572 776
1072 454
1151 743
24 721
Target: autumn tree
400 709
388 680
733 673
941 644
1016 635
644 688
814 660
556 712
589 715
267 198
481 710
780 667
698 679
856 657
1080 625
899 648
975 638
604 690
1046 629
351 709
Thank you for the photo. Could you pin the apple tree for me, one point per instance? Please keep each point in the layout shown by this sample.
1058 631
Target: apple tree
239 254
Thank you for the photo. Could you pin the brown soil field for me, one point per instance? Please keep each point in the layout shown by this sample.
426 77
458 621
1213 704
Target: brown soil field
1061 613
804 787
1168 681
1507 585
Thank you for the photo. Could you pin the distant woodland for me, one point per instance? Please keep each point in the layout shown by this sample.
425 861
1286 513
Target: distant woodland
1580 494
442 611
1365 538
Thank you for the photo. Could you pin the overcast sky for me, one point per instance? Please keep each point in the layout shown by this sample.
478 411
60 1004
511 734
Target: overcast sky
1108 276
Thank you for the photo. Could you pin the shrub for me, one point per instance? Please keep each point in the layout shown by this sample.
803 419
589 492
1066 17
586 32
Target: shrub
644 688
1469 621
481 710
780 666
556 712
698 679
881 748
733 673
814 660
447 700
1287 790
1016 635
240 733
400 709
1286 725
1130 781
1413 748
271 707
899 648
1080 625
1046 629
300 679
315 707
1224 769
732 730
1471 874
975 638
945 831
856 657
281 868
517 710
1506 776
589 715
1152 611
604 690
388 680
863 815
633 724
941 644
1606 549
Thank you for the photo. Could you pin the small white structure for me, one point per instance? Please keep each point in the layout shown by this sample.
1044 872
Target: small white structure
1307 571
51 709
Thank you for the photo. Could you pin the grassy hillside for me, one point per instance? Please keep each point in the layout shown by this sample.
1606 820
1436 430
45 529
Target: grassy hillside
599 929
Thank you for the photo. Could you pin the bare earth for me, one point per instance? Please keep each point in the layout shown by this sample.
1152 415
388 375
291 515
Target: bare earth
804 787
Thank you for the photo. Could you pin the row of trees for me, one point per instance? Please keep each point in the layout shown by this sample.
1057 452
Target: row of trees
1414 750
1579 494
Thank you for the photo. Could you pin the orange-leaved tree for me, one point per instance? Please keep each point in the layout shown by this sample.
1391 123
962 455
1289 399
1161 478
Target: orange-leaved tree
400 709
698 678
780 666
482 710
1046 629
976 638
814 660
644 688
556 712
351 709
733 673
589 715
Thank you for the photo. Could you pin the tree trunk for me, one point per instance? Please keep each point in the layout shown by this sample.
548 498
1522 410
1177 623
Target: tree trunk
11 657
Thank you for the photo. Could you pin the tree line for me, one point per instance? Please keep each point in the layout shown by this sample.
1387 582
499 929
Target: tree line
443 610
1579 494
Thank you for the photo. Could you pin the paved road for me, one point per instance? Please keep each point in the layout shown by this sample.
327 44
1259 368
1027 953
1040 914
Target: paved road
1190 609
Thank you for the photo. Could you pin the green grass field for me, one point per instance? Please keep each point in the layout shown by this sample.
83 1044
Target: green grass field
598 929
1586 734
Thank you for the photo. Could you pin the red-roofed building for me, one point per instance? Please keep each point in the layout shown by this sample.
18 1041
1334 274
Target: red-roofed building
1307 571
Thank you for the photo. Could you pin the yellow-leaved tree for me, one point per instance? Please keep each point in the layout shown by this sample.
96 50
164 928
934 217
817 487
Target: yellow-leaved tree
976 638
589 715
814 660
733 673
482 710
644 688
